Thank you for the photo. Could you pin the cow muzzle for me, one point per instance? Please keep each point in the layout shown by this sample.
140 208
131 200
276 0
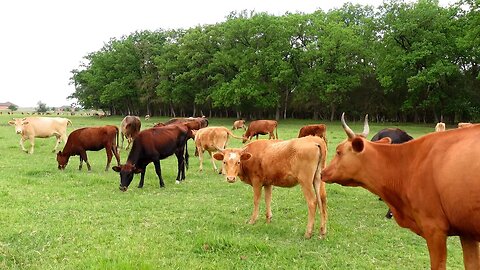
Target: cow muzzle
231 179
18 131
123 188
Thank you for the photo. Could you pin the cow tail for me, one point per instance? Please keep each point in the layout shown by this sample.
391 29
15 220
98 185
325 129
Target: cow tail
233 135
276 131
116 143
317 176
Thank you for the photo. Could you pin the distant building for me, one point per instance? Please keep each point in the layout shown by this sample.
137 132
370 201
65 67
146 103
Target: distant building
5 105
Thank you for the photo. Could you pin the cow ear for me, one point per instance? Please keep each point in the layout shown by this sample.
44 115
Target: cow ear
218 156
12 123
245 156
116 168
25 123
357 144
137 170
59 153
385 140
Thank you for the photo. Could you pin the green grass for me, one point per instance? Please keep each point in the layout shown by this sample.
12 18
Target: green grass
72 219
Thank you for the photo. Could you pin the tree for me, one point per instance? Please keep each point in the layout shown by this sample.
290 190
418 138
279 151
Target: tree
13 107
41 107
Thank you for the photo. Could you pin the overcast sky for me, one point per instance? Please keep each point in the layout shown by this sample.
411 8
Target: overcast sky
43 40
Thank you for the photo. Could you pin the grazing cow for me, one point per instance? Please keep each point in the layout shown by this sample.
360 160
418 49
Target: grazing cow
430 183
464 125
440 127
40 127
130 127
268 163
239 124
90 139
261 127
319 130
211 139
152 145
397 136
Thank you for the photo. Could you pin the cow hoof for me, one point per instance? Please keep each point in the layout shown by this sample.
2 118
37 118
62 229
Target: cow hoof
308 235
140 186
177 182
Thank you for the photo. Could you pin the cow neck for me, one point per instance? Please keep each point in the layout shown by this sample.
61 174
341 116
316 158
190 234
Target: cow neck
135 154
385 171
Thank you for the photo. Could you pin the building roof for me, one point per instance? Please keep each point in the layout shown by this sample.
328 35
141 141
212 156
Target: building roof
6 104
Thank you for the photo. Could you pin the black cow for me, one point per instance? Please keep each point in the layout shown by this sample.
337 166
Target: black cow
153 145
397 136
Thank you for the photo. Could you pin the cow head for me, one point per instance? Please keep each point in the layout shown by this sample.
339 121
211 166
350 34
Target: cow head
62 160
232 159
347 163
126 174
18 123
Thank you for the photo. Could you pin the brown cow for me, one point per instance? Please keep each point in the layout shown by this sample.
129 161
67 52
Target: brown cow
239 124
432 189
261 127
90 139
211 139
153 145
40 127
319 130
130 127
268 163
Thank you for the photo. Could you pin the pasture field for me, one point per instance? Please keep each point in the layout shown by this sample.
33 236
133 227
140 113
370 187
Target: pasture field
72 219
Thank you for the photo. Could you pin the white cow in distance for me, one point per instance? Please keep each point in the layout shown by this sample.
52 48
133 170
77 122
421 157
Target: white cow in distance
40 127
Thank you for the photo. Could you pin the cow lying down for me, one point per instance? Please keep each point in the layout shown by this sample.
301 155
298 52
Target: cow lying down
268 163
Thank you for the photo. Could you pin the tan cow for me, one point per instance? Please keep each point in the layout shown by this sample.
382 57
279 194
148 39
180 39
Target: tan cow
239 124
464 125
268 163
130 127
40 127
440 127
211 139
261 127
431 184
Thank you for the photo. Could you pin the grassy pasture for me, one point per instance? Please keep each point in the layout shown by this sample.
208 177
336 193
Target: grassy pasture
78 220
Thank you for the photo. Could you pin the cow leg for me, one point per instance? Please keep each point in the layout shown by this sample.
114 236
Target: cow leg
81 163
321 195
181 166
83 155
257 193
142 177
158 170
215 169
109 150
115 152
129 141
309 194
200 157
22 140
437 248
123 138
59 139
471 255
268 200
32 144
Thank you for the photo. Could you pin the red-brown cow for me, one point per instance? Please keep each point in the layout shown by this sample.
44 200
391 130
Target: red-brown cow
319 130
261 127
90 139
268 163
130 127
432 189
153 145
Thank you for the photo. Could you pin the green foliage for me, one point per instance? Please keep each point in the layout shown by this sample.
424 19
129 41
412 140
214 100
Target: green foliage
41 107
13 107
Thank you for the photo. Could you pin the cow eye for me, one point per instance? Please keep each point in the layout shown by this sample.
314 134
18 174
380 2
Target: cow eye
238 162
339 153
224 162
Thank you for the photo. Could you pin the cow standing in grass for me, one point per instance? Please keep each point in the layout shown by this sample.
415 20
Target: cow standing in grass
90 139
153 145
40 127
261 127
268 163
130 127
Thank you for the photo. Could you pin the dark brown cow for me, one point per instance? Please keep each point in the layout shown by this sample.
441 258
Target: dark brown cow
90 139
319 130
261 127
431 184
153 145
130 127
268 163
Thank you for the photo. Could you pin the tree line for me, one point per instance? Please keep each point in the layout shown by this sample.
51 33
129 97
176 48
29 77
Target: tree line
401 61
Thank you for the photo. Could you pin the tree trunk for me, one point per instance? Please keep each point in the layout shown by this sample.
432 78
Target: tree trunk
332 112
277 112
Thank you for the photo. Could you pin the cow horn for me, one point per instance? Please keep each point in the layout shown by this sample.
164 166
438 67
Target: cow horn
219 149
366 128
347 129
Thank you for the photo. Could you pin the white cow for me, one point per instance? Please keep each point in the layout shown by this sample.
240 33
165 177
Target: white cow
40 127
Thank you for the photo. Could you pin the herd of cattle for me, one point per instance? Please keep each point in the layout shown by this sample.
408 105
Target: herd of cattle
430 183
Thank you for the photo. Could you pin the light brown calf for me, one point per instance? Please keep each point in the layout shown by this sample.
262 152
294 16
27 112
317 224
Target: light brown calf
239 124
268 163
